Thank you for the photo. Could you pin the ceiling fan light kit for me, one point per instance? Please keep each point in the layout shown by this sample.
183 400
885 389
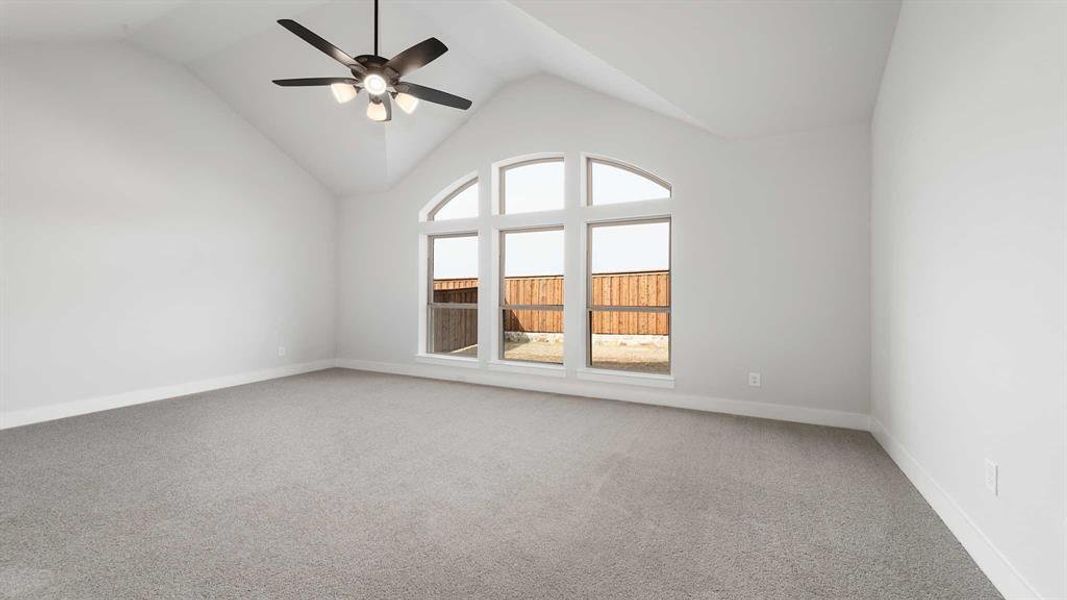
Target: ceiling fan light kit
343 92
376 110
381 77
375 84
406 102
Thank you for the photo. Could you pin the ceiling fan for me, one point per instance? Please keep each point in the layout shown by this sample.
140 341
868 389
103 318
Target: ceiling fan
376 74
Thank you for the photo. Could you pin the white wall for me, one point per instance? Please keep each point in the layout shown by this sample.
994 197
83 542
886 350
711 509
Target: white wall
968 274
150 237
770 259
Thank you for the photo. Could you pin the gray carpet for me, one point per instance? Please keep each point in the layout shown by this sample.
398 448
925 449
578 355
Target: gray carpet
349 484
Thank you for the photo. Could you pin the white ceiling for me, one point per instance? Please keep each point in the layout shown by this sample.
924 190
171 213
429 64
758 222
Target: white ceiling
742 68
45 20
736 68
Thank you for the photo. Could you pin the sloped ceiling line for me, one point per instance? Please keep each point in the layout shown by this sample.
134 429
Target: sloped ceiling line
735 69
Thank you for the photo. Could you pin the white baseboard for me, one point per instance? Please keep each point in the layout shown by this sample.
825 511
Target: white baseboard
638 394
1004 576
51 412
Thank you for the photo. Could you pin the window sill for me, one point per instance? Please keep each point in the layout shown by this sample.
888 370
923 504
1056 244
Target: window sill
609 376
447 361
529 368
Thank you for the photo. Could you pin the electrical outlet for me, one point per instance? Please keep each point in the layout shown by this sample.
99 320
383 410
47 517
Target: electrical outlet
992 476
281 350
755 379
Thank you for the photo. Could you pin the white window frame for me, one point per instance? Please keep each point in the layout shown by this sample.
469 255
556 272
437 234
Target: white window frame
428 296
590 307
574 218
502 306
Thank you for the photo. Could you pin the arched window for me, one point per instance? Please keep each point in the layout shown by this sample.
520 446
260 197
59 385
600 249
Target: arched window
512 256
460 204
531 186
615 183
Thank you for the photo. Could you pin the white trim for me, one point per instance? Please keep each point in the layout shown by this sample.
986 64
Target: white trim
1004 576
432 228
448 361
423 271
528 368
530 220
493 318
627 211
16 418
593 389
626 378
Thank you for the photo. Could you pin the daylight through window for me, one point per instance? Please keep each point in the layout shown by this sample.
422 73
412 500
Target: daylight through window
615 237
460 204
452 310
611 183
532 295
532 186
629 292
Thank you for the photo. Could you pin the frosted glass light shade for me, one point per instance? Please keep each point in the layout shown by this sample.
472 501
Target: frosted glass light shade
376 111
343 92
407 102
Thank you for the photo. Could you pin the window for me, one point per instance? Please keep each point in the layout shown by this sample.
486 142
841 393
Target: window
460 204
615 183
623 294
532 295
452 306
532 186
629 296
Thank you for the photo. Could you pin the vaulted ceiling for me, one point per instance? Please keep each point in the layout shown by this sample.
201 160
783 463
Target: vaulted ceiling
738 69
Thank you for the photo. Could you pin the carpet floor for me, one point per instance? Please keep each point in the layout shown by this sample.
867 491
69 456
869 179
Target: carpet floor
358 485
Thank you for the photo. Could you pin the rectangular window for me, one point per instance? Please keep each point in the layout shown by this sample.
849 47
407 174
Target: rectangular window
531 303
452 317
629 288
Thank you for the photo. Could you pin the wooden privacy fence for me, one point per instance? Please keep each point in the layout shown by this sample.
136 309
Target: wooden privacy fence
458 328
454 328
650 288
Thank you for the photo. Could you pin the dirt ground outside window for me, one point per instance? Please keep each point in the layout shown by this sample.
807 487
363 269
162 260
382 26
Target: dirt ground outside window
642 354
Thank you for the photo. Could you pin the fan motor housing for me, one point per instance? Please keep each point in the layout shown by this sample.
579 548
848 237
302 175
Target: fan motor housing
376 64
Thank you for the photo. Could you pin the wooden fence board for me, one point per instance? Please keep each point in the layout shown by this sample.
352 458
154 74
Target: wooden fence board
454 329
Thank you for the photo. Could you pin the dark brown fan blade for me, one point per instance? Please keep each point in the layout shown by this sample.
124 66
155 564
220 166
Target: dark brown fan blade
419 55
326 47
431 95
306 81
